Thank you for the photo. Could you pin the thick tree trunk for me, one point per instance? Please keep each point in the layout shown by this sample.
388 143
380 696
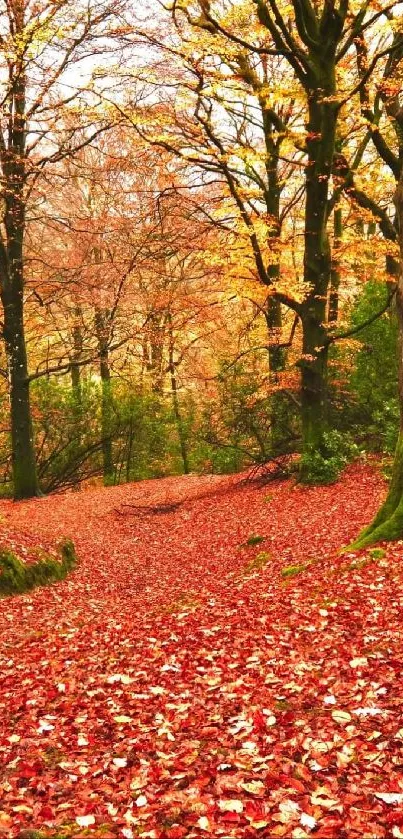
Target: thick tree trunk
13 158
317 269
274 316
388 523
313 367
279 404
23 453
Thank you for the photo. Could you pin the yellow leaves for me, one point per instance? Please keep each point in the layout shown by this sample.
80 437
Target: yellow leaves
231 806
359 662
341 717
254 787
119 677
321 798
5 822
205 824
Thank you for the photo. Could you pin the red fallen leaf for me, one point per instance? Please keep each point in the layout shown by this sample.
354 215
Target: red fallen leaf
233 818
296 784
259 722
27 770
203 782
46 813
254 810
394 818
176 832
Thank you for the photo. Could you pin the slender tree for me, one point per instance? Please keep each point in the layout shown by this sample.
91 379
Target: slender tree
39 42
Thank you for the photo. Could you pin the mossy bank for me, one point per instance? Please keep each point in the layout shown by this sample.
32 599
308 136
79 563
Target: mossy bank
17 576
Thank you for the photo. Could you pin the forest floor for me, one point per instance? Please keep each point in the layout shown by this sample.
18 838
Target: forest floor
182 683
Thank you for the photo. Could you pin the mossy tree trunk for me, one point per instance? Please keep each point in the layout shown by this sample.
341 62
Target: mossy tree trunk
25 479
273 314
313 367
13 157
388 523
317 260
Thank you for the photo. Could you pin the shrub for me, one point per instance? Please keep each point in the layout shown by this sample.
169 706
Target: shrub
363 375
324 466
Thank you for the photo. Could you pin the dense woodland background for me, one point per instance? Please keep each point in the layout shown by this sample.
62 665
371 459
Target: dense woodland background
199 237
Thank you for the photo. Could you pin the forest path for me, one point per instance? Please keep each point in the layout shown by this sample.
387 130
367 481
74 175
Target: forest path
134 555
160 682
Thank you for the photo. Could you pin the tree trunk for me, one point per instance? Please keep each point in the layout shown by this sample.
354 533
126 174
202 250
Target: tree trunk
75 366
279 404
277 354
317 269
13 157
388 523
106 405
313 366
175 403
335 272
23 453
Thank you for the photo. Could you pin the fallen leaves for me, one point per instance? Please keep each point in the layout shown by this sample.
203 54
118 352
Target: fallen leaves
161 692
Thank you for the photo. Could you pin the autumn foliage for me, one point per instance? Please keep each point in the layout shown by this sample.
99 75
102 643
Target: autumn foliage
201 282
173 686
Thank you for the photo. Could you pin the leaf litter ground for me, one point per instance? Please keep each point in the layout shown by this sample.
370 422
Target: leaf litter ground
190 681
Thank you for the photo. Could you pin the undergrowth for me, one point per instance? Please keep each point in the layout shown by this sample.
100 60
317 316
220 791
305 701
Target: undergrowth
17 576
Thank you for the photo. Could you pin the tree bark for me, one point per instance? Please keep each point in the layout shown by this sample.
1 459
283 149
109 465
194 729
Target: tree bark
25 479
75 366
321 140
106 404
335 272
13 163
175 402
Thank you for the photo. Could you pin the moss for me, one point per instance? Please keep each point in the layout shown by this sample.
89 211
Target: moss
69 831
184 603
253 540
359 564
17 576
292 570
261 559
388 522
377 553
53 756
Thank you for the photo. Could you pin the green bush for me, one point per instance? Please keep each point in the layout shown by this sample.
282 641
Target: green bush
17 576
363 375
69 433
245 422
325 465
